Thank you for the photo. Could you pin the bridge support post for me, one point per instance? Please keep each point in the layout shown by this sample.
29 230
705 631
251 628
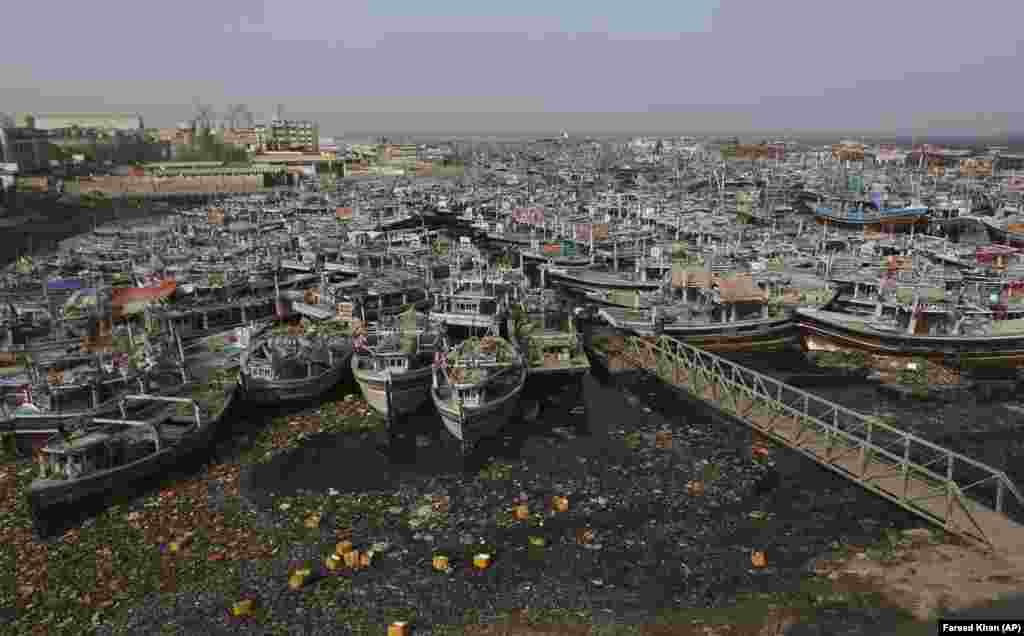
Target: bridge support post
950 484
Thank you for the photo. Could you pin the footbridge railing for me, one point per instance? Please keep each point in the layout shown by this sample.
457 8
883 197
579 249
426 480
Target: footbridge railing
961 494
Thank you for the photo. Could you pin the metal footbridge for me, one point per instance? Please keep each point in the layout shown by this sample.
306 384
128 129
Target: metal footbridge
962 495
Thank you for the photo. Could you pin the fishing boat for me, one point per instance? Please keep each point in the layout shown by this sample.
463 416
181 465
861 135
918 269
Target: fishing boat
589 279
477 304
371 296
718 313
392 363
544 330
978 328
861 216
547 336
558 254
1006 231
292 363
477 386
48 388
102 455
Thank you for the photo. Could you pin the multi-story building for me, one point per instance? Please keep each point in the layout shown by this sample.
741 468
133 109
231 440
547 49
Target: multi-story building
177 136
124 122
241 138
287 134
116 146
399 152
26 147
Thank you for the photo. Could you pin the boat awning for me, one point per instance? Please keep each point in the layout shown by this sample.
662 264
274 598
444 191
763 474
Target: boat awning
690 277
1008 327
739 289
312 311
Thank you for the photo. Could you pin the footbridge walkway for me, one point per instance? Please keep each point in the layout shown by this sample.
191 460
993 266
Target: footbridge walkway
962 495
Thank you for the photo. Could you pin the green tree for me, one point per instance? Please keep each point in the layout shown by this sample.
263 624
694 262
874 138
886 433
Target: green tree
57 153
207 147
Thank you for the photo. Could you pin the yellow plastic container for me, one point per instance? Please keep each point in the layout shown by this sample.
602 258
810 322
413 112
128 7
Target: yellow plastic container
482 561
299 578
560 504
333 562
398 628
441 563
343 548
758 559
352 558
313 521
243 608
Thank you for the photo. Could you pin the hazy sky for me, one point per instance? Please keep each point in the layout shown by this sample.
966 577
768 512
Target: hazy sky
530 65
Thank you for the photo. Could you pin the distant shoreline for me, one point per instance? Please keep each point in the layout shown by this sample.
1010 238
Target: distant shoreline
53 220
1014 143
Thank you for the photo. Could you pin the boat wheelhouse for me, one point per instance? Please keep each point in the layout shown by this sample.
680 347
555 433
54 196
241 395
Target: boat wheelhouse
284 364
392 363
476 388
479 305
546 335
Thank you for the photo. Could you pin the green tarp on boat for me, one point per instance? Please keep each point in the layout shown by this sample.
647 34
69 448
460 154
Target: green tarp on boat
1008 327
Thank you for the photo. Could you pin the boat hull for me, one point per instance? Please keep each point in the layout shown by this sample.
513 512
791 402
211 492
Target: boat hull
44 496
1004 237
476 423
265 392
981 355
599 282
747 336
877 222
409 391
489 322
558 261
42 425
766 337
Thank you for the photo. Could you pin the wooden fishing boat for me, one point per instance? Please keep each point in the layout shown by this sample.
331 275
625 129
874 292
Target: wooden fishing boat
1009 232
862 217
477 386
739 336
106 454
369 297
392 363
547 336
477 304
593 279
194 320
284 364
559 255
60 386
720 314
982 336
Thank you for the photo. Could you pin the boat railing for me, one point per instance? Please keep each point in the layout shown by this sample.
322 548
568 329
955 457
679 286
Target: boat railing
145 397
70 415
494 372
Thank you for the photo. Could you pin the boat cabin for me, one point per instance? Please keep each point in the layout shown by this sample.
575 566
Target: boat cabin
80 454
470 396
394 362
282 357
